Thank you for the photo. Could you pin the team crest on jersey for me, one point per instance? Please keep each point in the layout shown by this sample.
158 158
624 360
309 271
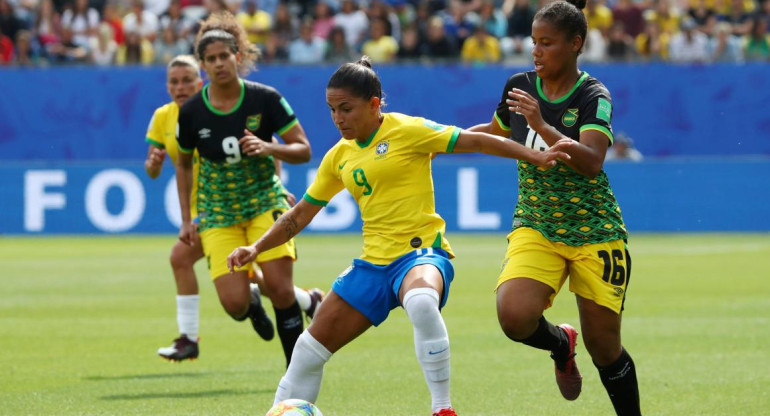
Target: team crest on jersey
570 117
381 149
253 122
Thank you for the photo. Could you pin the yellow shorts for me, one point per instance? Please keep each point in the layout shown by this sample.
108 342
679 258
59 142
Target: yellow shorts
218 243
598 272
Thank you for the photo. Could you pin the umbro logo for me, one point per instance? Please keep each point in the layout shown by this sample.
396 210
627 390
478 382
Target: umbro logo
204 133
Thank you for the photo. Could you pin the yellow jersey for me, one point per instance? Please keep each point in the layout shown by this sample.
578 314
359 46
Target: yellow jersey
161 133
389 177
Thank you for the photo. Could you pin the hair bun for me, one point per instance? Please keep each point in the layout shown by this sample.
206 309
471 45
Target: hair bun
367 61
580 4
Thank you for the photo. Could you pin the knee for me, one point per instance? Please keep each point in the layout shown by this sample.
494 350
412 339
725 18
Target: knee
517 325
180 258
236 308
421 304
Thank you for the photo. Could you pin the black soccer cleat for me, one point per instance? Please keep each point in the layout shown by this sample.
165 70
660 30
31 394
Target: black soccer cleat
182 349
258 317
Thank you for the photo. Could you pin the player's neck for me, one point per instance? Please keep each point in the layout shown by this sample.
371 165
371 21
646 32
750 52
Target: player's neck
561 84
225 92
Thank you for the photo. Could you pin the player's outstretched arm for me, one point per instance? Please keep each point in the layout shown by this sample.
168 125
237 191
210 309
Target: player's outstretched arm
285 228
475 142
295 149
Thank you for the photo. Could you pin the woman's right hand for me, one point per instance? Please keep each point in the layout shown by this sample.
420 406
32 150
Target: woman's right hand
548 158
187 233
240 256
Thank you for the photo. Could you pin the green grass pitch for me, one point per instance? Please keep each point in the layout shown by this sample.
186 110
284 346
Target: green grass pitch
81 319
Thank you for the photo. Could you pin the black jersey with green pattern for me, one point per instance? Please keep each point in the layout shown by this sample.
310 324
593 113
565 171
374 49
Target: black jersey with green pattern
562 204
233 187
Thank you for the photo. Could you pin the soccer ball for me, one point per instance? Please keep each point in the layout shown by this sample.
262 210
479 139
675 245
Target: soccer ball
294 407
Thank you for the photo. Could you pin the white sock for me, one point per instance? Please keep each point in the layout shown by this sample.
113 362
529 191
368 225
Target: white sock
431 343
255 288
303 377
187 315
303 298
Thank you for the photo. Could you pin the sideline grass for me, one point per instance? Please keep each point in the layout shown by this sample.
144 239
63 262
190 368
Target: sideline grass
81 318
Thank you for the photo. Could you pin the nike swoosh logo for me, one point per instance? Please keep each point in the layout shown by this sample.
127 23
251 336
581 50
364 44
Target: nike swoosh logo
437 352
343 164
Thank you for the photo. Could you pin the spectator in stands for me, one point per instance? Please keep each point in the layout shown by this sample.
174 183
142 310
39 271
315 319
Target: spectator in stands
136 50
6 49
689 45
378 9
323 20
9 22
739 17
700 12
666 16
623 149
168 45
26 53
599 16
156 7
308 48
630 14
256 22
422 16
764 11
520 15
103 47
353 21
380 47
595 48
481 48
112 17
439 44
141 21
493 19
620 46
337 48
723 46
410 47
756 44
285 26
82 21
276 49
47 26
652 44
457 23
174 17
66 51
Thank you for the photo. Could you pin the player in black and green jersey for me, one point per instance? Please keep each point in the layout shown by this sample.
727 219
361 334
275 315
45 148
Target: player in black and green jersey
231 123
567 222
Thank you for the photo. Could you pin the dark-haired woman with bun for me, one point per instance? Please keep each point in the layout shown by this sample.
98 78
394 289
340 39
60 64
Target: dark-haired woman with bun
567 222
231 123
384 161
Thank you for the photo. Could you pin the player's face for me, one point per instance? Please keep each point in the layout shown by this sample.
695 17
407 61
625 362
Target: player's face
553 52
182 83
220 63
355 117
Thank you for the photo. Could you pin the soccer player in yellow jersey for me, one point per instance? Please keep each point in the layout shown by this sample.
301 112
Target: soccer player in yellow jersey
384 161
182 82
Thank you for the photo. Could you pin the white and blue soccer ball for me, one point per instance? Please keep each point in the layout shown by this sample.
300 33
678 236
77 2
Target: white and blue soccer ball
294 407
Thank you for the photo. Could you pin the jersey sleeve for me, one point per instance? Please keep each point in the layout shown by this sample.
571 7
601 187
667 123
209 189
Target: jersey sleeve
154 134
431 137
502 114
327 182
597 114
184 135
280 113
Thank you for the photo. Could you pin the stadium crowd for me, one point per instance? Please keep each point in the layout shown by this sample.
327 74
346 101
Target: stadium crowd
151 32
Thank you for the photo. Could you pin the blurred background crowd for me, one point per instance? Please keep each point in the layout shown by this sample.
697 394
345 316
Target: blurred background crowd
151 32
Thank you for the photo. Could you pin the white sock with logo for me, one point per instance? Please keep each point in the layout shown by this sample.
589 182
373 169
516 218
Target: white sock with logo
303 377
187 315
431 343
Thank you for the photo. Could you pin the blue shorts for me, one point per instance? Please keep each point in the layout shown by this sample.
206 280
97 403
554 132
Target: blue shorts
373 290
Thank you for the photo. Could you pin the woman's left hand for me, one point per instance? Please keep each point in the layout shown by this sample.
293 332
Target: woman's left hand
254 146
523 103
